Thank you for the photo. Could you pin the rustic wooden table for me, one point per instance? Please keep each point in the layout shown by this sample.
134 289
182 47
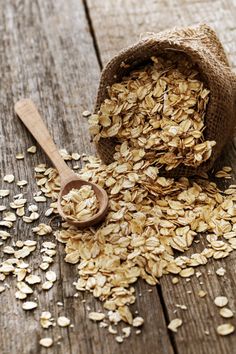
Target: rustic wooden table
53 51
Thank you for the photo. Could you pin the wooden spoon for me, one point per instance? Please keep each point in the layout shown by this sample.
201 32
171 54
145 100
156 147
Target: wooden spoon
31 118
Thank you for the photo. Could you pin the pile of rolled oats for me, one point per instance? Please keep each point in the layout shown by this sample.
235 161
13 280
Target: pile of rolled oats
145 225
80 204
158 111
149 219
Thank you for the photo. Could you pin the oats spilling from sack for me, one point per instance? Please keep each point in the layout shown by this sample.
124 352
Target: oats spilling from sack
158 112
80 204
172 98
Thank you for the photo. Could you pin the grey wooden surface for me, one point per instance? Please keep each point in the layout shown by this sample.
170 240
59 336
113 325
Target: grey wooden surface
52 51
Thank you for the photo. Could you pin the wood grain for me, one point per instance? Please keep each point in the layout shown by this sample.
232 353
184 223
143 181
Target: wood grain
117 24
47 53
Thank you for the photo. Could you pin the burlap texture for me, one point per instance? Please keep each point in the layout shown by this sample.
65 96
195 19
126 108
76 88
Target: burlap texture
201 44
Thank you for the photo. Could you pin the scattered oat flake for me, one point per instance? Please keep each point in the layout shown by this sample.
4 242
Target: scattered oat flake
18 203
32 149
4 193
46 319
103 325
20 273
4 234
34 216
138 321
33 279
19 295
96 316
112 330
47 285
22 183
9 216
8 178
221 301
182 307
49 244
33 208
47 259
226 313
185 273
42 229
44 266
175 324
6 223
202 293
30 243
63 321
19 156
40 199
65 155
27 219
225 329
119 339
221 271
29 305
86 113
8 250
24 288
48 212
175 280
6 268
20 211
51 276
126 331
75 156
46 342
23 252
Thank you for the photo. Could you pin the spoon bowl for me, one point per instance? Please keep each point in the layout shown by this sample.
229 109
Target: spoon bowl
29 115
101 195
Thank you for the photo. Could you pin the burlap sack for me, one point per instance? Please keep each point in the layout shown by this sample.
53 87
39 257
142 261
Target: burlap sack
201 44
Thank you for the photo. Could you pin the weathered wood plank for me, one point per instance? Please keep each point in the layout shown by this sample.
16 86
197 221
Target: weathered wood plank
47 53
201 314
118 24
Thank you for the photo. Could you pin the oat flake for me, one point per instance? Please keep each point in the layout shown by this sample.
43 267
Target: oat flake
175 324
46 342
221 301
226 313
96 316
63 321
29 305
225 329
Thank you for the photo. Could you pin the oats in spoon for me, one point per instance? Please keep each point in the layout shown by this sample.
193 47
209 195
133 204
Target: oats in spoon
80 204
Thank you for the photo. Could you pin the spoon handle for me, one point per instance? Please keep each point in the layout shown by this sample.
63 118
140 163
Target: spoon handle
29 115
